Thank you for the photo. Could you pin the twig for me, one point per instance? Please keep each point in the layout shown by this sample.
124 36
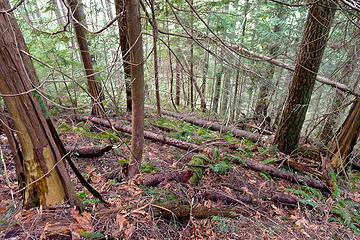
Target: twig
7 177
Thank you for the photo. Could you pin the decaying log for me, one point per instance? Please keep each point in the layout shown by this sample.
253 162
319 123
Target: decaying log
163 128
89 151
196 148
176 209
282 174
302 168
153 136
219 196
255 137
284 199
154 179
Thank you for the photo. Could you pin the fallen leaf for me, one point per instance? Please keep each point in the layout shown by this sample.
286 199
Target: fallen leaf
121 222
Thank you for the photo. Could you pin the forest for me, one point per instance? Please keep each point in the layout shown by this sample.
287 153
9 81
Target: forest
179 119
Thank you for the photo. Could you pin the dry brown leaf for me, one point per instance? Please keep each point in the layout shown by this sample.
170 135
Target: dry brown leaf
246 190
129 232
43 236
75 231
83 220
121 222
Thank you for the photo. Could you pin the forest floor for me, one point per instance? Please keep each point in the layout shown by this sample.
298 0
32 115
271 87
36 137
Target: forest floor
180 210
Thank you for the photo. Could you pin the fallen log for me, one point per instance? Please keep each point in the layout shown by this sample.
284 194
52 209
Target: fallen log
284 199
176 209
196 148
214 126
292 177
219 196
88 152
154 179
153 136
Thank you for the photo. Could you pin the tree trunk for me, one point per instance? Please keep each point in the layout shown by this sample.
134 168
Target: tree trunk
137 85
124 44
95 90
45 177
156 67
203 84
319 20
344 143
177 83
217 90
225 93
191 77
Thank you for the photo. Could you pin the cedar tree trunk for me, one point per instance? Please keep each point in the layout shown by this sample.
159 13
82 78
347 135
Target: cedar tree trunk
137 85
42 169
344 143
318 23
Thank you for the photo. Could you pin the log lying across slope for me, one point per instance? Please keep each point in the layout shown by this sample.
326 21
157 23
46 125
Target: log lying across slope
255 137
196 148
149 135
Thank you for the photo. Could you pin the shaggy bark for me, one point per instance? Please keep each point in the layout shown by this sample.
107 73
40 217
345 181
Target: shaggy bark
39 152
137 84
344 143
317 28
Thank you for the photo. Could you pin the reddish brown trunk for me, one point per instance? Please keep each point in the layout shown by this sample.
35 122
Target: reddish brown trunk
137 85
344 143
39 152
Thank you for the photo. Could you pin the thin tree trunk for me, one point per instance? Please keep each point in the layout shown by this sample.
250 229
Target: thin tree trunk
316 33
156 67
261 108
225 93
191 77
124 44
177 83
215 105
137 85
94 86
203 84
